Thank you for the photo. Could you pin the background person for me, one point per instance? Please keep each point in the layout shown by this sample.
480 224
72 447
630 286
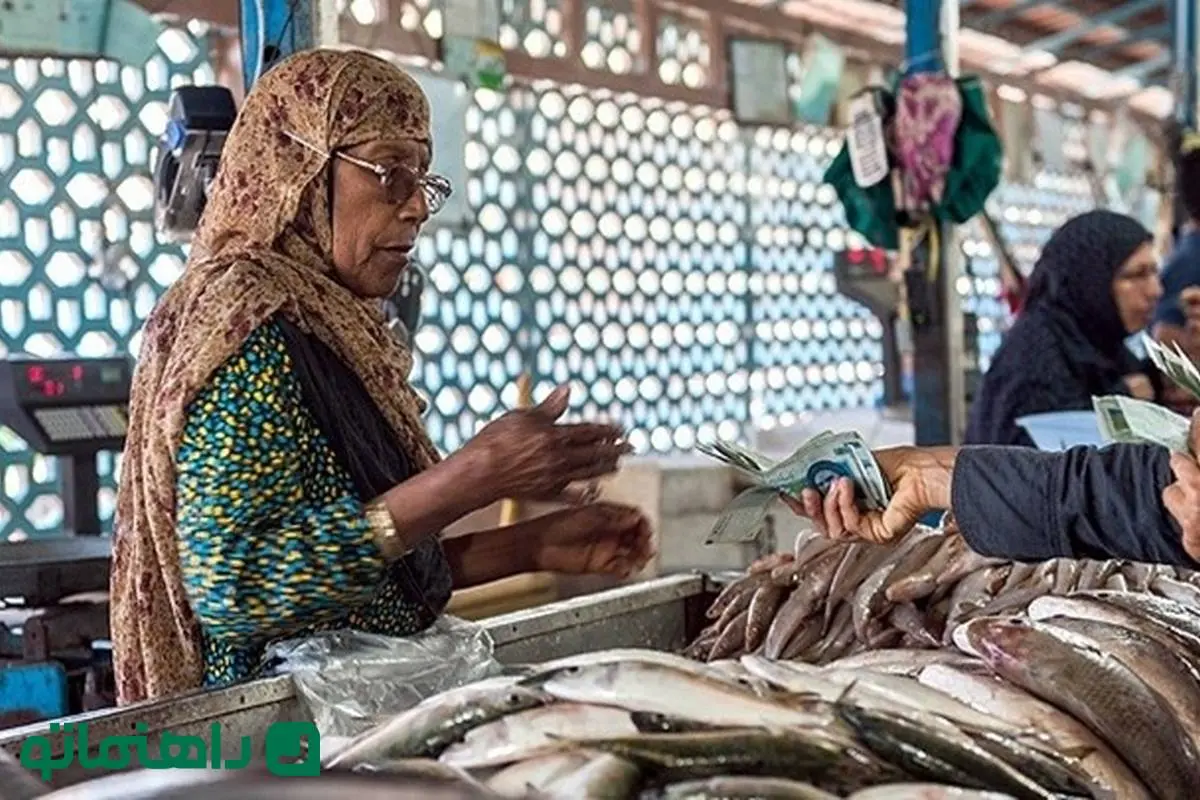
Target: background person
1095 283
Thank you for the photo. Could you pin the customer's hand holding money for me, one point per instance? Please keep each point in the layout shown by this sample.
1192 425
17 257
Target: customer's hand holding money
816 465
920 480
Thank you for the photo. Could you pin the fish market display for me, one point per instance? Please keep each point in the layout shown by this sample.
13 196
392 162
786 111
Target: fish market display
832 599
816 464
1092 693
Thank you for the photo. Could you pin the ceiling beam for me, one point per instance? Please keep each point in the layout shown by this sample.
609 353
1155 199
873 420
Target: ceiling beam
1113 17
986 21
1155 33
1144 69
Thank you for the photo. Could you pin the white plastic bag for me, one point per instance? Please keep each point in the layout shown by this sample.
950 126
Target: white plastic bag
352 681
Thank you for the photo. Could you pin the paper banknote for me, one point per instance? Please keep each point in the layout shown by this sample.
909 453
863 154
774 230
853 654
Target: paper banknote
1127 419
815 465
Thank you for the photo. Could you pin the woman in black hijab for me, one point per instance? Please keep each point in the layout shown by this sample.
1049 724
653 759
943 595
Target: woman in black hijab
1095 284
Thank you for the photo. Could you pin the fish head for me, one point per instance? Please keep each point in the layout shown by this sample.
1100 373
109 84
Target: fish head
519 698
575 675
994 639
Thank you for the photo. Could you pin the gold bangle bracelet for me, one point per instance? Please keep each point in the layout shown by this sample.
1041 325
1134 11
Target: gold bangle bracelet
383 528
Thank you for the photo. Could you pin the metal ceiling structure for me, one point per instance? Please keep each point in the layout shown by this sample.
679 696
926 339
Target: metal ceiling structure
1127 37
1103 53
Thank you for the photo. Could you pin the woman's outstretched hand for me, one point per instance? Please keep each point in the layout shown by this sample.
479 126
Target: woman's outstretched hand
528 454
920 481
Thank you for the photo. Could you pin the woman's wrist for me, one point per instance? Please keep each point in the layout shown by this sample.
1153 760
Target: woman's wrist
475 473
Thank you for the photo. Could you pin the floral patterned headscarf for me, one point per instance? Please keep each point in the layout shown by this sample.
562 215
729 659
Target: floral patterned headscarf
263 248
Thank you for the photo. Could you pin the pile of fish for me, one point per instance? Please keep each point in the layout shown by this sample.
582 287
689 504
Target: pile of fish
1095 694
830 599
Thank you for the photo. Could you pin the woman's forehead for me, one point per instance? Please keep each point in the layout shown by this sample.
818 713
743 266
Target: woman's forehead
395 147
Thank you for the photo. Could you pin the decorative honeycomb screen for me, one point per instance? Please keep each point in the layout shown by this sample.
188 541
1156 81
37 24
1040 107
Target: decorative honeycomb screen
676 267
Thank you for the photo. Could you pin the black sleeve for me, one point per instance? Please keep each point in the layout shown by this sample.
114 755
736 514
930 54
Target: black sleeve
1030 505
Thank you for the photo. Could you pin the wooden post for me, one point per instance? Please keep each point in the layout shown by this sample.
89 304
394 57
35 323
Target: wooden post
509 509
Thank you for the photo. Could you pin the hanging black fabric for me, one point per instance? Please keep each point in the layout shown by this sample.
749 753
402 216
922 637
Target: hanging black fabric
366 447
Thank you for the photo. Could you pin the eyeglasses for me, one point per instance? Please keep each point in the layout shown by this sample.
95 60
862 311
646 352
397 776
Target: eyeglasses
399 181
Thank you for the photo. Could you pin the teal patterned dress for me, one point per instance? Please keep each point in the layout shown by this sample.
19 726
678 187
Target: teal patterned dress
273 539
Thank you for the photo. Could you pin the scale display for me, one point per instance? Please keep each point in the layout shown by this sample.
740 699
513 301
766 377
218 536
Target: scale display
64 405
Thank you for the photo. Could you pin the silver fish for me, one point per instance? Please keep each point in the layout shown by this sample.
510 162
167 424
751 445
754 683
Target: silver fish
536 732
802 602
1163 671
1116 583
1081 606
831 762
425 730
536 774
901 662
966 563
938 752
912 693
1100 692
925 791
1183 593
621 654
922 581
907 618
1022 711
423 768
1138 575
1178 617
739 787
870 599
605 777
1065 575
657 689
1017 575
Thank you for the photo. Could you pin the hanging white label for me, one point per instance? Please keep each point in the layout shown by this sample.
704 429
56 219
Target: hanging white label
868 150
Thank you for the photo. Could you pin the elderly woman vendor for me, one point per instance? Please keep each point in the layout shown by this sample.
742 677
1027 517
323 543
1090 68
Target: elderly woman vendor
277 479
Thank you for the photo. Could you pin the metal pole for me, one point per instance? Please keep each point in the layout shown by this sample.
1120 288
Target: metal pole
1184 51
939 408
274 29
1183 81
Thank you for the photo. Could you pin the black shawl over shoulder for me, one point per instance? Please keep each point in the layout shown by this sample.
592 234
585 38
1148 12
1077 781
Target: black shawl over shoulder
1069 342
364 444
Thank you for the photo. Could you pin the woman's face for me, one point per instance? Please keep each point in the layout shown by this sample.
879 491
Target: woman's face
1136 288
373 235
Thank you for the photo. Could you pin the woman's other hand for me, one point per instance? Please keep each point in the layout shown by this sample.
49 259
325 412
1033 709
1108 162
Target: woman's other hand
599 538
1182 498
1139 386
528 454
920 481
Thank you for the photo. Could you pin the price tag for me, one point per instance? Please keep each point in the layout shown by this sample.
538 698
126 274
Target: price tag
868 149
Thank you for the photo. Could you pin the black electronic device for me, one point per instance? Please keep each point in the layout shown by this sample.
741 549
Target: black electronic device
864 275
199 119
72 408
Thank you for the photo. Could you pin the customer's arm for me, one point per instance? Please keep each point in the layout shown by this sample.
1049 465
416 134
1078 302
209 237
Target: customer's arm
1024 504
1081 503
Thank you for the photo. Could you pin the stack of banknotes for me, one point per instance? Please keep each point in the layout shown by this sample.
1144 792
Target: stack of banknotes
815 465
1127 419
